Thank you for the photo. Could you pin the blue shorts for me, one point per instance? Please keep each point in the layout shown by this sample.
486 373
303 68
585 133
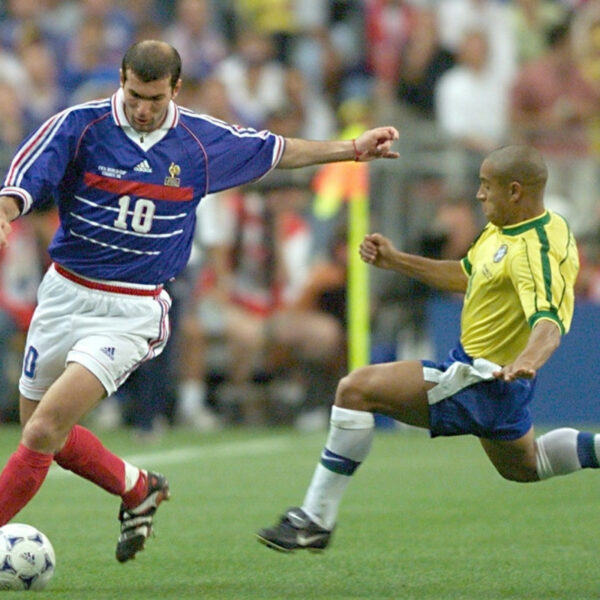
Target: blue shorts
468 400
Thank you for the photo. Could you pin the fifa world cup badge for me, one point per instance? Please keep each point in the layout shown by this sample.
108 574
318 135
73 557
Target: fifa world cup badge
173 179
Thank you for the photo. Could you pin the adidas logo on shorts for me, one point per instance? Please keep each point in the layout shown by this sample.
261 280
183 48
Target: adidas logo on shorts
143 167
109 351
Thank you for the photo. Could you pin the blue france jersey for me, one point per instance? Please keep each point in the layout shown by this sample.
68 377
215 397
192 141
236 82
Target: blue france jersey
127 200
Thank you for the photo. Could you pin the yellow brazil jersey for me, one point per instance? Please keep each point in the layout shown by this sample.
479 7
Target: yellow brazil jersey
517 276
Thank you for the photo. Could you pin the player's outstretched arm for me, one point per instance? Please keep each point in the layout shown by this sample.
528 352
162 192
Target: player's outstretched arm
372 144
543 341
9 211
446 275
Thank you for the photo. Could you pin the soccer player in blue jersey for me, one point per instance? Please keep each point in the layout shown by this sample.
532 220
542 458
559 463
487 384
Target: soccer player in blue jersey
127 174
518 279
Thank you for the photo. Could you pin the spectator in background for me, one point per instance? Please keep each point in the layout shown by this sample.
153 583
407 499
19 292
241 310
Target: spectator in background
388 26
22 20
552 107
211 98
266 241
315 117
588 282
586 36
45 96
13 124
102 33
254 80
117 26
58 22
197 324
324 293
471 102
456 17
319 50
425 61
531 22
200 43
86 59
13 72
142 13
275 19
252 306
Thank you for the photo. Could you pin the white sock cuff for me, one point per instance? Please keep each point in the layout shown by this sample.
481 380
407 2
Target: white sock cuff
556 453
131 476
346 418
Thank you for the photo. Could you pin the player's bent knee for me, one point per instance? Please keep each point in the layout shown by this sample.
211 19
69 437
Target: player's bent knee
42 436
520 474
352 391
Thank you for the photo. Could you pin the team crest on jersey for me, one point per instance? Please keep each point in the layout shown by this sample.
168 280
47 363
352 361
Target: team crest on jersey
500 253
173 179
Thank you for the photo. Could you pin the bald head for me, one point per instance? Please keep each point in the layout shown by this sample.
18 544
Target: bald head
152 60
520 163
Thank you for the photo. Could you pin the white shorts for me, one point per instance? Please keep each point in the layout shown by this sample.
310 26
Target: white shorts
109 332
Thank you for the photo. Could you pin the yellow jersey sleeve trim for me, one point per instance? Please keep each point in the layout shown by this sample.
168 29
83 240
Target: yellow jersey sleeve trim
466 265
548 316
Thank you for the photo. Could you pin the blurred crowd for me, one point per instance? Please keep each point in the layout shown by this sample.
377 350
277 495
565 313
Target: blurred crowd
259 320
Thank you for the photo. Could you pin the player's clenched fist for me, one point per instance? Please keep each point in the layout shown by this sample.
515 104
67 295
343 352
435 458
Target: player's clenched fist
376 250
376 143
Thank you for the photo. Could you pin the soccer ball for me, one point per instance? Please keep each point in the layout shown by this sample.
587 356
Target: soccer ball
27 558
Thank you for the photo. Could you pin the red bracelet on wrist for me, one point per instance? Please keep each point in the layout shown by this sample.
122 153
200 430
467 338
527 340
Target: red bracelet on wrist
356 152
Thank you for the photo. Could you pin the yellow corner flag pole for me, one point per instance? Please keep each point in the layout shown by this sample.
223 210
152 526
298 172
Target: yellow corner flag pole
358 316
349 182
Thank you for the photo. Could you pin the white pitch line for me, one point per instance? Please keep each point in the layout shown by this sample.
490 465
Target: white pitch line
191 453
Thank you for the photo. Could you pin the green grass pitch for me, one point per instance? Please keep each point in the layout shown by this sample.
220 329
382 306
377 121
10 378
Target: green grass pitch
422 519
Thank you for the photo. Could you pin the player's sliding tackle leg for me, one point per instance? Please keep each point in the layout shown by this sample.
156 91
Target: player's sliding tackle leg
563 451
558 452
350 437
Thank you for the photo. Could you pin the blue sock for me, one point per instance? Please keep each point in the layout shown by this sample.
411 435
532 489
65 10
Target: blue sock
586 451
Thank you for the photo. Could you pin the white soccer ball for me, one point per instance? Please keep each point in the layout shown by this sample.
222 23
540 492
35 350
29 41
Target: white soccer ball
27 558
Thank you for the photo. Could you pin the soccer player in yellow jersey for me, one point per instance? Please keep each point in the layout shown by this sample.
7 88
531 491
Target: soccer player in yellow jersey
518 279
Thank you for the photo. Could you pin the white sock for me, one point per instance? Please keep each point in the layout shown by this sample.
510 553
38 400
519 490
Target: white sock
350 437
563 451
192 395
131 476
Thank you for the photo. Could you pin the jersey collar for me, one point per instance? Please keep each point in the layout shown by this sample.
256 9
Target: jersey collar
118 112
523 226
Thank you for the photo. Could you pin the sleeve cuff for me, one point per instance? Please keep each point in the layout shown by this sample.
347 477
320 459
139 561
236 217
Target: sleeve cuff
22 195
547 316
466 266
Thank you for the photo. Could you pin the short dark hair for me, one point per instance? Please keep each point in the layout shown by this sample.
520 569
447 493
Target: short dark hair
519 162
151 60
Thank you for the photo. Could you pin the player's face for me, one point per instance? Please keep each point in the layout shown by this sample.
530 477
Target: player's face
146 102
494 196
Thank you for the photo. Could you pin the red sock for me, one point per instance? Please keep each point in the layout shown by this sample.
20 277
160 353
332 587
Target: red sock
84 455
20 479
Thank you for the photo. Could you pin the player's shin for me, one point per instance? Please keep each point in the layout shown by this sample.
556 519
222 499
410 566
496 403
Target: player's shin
563 451
86 456
350 437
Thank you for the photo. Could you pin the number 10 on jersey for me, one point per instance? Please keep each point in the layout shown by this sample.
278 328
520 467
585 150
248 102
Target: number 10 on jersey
141 215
